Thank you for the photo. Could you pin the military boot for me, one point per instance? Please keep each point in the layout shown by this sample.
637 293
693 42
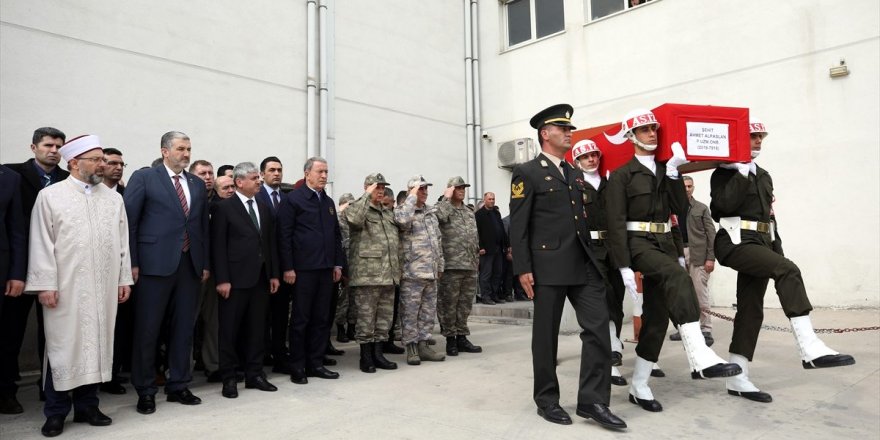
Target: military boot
451 346
427 353
341 336
379 359
367 358
349 333
465 346
412 354
390 347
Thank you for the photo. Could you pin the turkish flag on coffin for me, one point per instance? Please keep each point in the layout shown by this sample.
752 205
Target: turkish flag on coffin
710 135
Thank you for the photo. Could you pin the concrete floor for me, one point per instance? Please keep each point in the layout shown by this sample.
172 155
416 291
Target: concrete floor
488 396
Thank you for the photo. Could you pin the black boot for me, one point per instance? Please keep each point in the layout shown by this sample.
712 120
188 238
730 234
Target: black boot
341 336
349 333
465 346
391 348
332 351
451 346
379 359
367 358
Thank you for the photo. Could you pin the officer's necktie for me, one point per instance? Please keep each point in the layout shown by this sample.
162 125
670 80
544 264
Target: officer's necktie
564 170
47 180
253 214
275 199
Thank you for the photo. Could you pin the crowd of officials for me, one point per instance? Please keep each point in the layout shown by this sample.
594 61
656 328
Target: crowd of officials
235 272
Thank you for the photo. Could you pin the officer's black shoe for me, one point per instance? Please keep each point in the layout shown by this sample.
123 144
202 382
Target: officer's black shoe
298 376
647 405
391 348
10 405
656 372
366 362
329 362
93 416
616 359
332 351
379 360
465 346
53 427
322 373
340 334
112 387
757 396
260 383
555 414
618 380
828 361
230 388
146 404
499 300
601 414
717 370
349 332
451 346
184 397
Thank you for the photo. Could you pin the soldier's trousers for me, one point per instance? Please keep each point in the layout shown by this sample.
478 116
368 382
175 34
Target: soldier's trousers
455 298
346 312
375 308
668 291
418 306
756 265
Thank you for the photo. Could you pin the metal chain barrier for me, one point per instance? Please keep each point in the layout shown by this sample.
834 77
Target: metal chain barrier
777 328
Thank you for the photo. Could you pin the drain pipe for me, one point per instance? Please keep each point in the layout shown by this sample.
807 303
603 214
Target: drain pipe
469 102
328 75
311 79
322 85
478 125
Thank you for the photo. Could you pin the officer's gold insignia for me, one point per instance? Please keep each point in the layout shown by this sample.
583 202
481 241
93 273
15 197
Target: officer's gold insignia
547 177
516 190
543 163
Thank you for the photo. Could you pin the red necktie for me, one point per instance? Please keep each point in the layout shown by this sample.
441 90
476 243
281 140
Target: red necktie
182 197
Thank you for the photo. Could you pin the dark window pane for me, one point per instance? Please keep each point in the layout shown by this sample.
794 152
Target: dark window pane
550 17
519 27
601 8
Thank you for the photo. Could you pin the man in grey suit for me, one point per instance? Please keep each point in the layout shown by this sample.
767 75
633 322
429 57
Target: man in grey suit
168 227
554 261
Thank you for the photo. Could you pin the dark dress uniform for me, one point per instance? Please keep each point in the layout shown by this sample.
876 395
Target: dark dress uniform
549 236
757 258
636 194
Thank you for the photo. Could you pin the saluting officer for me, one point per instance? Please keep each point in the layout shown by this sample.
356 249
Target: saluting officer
748 242
554 261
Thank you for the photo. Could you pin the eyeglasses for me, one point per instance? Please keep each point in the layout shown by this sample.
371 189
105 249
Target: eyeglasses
93 159
114 163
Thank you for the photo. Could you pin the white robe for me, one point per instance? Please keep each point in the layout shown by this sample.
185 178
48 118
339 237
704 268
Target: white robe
79 247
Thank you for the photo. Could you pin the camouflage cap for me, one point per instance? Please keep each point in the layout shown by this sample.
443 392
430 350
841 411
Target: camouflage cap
346 198
456 181
417 181
375 178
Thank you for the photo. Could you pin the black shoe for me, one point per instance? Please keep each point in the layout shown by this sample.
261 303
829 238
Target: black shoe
675 336
499 300
322 373
555 414
618 380
327 362
10 405
601 414
230 388
340 334
757 396
391 348
184 396
647 405
112 387
656 372
349 332
260 383
366 362
451 346
486 300
53 427
146 404
379 360
616 359
298 376
214 377
828 361
281 368
717 370
332 351
93 416
709 339
465 346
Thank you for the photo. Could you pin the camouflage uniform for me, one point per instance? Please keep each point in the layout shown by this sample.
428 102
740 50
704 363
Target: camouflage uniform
422 261
374 267
346 313
458 285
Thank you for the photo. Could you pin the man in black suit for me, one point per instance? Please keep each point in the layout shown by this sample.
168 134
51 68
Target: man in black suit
168 227
244 256
553 259
493 249
311 260
13 237
36 174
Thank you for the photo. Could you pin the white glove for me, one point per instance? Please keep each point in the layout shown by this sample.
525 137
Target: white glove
629 281
678 159
681 262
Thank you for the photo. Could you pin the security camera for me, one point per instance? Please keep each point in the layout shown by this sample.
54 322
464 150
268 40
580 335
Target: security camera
486 135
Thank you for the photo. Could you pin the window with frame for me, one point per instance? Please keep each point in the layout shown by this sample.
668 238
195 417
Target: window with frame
528 20
597 9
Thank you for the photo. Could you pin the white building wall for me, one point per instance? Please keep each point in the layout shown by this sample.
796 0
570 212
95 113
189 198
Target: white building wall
772 57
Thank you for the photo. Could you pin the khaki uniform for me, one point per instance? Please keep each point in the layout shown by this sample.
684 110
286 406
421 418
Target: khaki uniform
346 313
458 285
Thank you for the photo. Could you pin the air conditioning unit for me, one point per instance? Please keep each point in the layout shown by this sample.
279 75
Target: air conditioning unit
515 152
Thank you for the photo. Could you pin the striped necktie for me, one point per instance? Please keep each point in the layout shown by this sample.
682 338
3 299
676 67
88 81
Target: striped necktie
182 197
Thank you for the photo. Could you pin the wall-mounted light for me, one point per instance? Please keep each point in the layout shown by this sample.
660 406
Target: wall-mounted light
839 71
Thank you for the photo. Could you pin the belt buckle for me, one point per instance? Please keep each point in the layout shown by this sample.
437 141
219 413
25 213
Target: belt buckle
602 234
645 226
657 228
763 227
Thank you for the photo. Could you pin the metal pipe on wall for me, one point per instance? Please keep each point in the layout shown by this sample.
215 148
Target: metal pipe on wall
311 79
469 109
322 85
478 124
